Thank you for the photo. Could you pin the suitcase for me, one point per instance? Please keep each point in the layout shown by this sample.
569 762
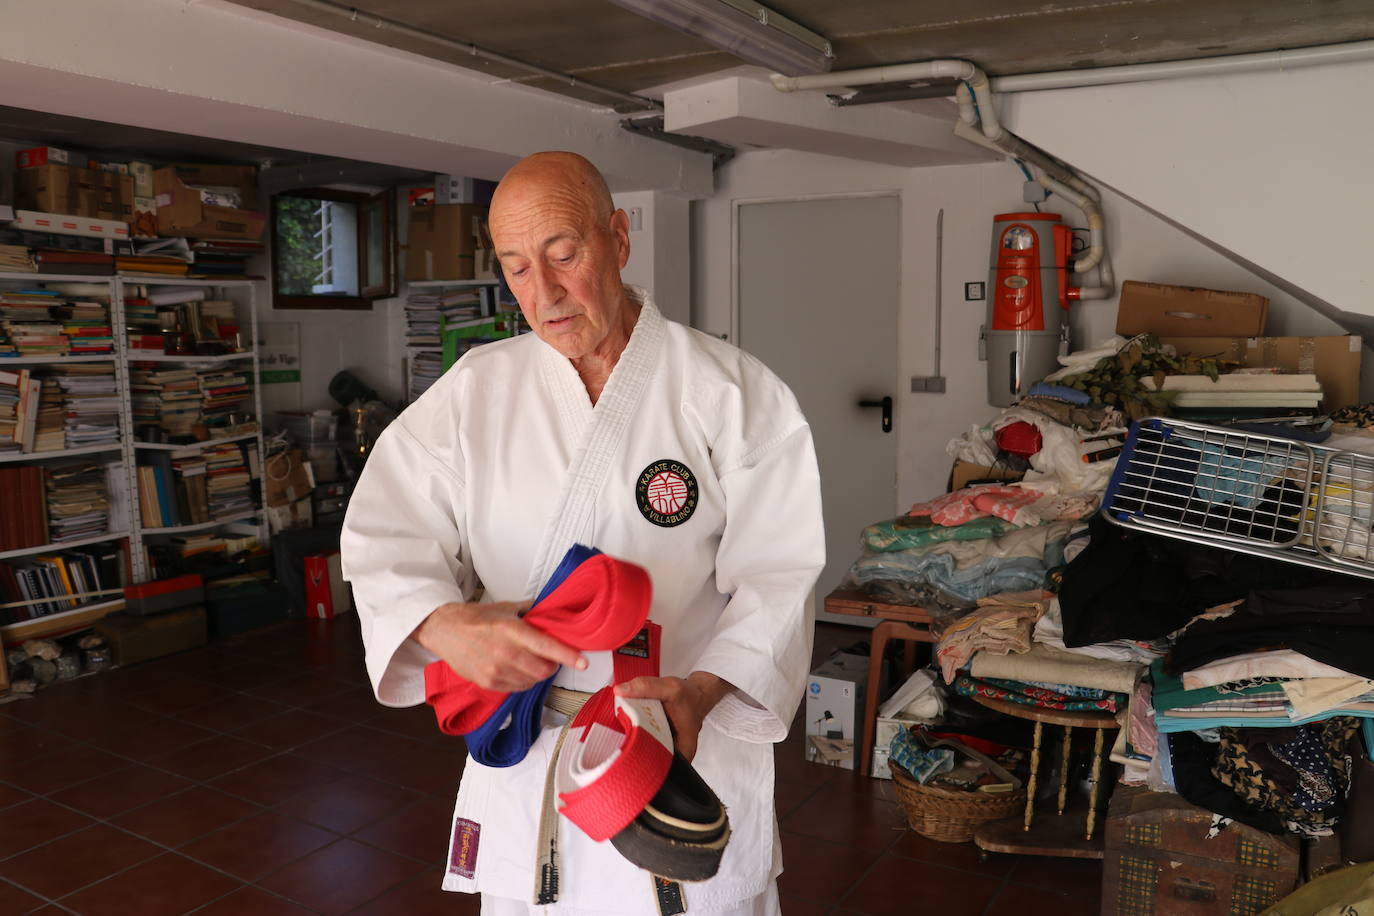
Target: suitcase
1159 859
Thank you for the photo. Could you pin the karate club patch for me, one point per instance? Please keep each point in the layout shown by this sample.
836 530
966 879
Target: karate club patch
666 492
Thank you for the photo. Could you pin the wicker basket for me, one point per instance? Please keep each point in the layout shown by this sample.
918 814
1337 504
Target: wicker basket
951 815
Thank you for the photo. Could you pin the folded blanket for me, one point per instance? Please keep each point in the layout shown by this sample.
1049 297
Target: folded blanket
1050 665
1000 625
1029 696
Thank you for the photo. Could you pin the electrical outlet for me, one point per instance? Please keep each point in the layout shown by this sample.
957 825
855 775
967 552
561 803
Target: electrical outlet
636 219
931 384
973 292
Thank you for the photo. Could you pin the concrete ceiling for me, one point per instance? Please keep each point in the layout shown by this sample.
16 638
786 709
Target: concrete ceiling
605 44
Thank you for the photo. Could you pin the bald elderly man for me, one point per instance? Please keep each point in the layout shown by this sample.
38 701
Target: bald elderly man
613 427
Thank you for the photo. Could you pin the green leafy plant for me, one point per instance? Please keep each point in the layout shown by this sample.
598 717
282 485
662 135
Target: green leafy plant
1118 380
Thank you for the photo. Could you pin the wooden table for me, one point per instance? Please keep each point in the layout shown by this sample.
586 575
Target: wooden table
1058 835
898 621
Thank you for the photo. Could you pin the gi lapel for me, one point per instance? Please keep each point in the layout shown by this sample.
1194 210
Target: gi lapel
600 437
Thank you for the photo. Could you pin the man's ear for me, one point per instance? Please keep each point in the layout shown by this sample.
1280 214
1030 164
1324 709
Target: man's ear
620 231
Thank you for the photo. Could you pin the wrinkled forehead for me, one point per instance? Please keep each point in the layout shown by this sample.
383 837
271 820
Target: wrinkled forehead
536 215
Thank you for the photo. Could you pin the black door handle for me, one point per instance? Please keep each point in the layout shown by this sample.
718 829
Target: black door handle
886 405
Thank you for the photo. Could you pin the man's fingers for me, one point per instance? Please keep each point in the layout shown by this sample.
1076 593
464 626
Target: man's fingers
650 688
547 647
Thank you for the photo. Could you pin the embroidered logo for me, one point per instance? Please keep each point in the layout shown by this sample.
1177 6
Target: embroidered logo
462 860
666 492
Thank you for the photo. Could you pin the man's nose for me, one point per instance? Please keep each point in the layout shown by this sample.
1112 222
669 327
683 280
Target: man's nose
547 289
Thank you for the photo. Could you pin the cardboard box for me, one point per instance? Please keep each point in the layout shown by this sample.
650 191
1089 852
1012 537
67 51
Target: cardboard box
834 708
182 208
41 155
70 224
298 514
142 174
1335 361
964 473
247 607
1188 311
137 639
164 595
54 188
289 478
441 240
326 593
885 728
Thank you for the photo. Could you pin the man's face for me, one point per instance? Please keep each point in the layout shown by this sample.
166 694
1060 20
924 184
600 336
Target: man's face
563 267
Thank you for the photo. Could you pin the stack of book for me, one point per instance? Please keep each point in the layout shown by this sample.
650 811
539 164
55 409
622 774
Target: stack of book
144 328
166 402
230 479
425 369
156 258
23 507
50 429
89 571
424 311
86 325
91 403
78 501
172 489
20 393
223 258
16 259
224 393
83 263
46 323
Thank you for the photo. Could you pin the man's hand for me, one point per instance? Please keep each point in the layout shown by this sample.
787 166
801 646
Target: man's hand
687 701
492 647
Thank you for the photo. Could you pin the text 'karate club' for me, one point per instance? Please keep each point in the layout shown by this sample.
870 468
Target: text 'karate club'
666 492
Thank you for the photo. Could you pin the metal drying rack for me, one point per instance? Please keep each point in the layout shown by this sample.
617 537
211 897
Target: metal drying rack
1254 493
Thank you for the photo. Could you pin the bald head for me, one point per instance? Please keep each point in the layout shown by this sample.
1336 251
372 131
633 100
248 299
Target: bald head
562 245
566 177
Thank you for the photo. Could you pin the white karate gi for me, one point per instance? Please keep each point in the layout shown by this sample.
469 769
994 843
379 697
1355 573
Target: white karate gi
501 466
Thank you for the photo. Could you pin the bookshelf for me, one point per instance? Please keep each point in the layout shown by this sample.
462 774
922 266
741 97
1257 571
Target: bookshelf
488 292
125 515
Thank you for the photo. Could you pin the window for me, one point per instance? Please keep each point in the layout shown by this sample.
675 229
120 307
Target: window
332 249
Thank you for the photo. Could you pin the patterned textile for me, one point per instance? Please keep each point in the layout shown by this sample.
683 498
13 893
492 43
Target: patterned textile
1302 773
919 531
920 761
1034 696
1001 625
1066 690
1021 506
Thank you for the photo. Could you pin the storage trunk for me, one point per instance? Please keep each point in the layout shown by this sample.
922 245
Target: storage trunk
137 639
1159 860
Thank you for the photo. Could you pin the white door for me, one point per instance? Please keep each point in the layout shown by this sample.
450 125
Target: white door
817 302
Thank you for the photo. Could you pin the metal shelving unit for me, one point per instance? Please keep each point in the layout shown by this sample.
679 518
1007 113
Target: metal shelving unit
489 290
127 448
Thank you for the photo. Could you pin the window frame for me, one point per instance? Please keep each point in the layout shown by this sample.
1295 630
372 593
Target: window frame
367 294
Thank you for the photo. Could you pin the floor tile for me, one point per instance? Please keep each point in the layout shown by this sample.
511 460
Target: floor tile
354 705
37 821
897 886
16 900
298 691
166 886
360 750
413 722
822 870
290 729
212 757
347 804
1076 876
185 816
1023 900
964 856
423 896
154 738
18 752
801 906
76 860
59 769
788 795
257 846
433 768
838 814
421 831
249 901
276 779
12 795
175 695
121 790
341 877
230 711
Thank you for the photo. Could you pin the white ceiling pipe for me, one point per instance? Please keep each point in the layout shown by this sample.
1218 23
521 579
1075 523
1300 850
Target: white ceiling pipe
1350 52
868 76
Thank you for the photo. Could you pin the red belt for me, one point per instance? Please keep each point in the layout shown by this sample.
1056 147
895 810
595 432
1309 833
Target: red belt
600 606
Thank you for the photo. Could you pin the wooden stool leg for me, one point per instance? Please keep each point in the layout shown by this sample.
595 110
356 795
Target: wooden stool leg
1092 784
1034 769
1064 767
882 633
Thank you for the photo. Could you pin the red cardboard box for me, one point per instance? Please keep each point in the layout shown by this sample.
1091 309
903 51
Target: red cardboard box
41 155
164 594
326 595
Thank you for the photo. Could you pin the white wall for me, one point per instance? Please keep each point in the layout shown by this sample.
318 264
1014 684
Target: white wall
1144 248
1272 166
659 249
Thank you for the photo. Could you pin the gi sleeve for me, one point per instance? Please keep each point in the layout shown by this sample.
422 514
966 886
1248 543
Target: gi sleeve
771 551
405 551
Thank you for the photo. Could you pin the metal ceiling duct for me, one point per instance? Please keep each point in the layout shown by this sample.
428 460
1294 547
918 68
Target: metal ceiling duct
748 30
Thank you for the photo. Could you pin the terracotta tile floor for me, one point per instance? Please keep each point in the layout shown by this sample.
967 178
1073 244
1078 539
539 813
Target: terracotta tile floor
258 777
